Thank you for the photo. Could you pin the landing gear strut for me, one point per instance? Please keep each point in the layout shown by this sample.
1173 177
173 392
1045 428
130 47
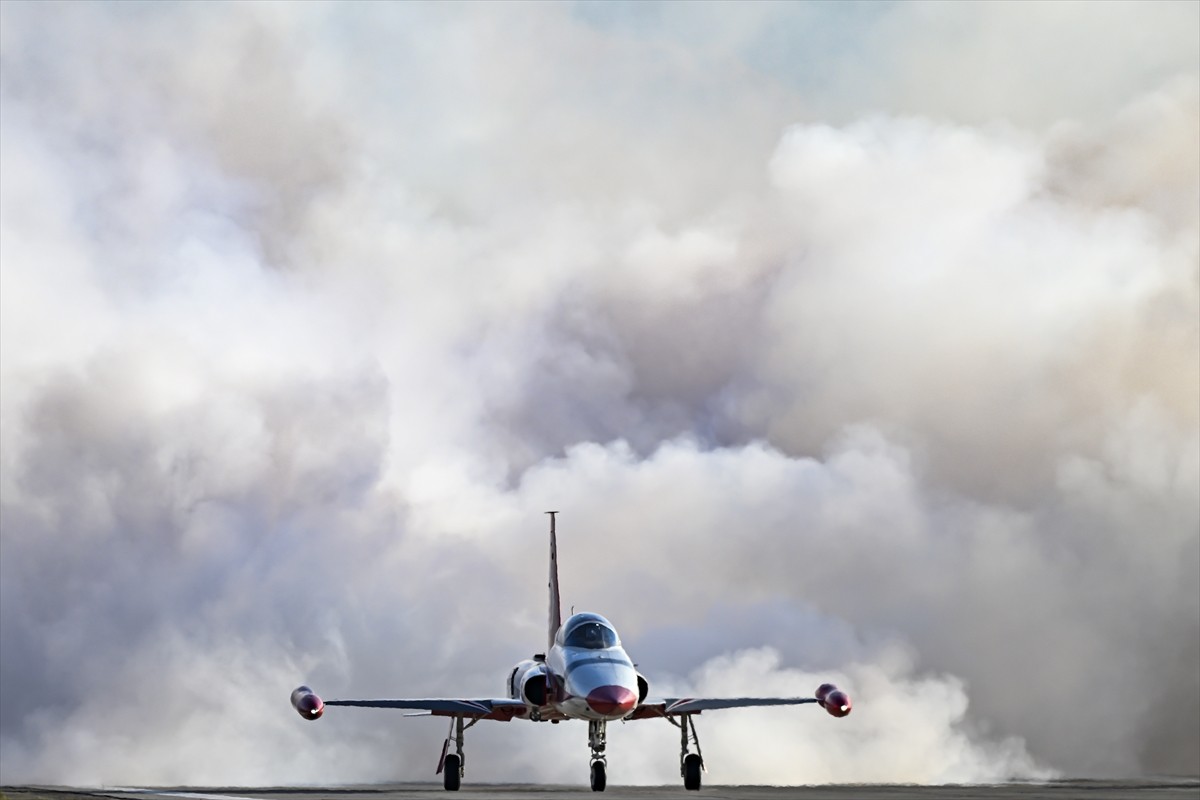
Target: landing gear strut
453 765
597 738
690 764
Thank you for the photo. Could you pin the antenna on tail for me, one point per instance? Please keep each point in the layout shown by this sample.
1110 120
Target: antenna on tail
555 605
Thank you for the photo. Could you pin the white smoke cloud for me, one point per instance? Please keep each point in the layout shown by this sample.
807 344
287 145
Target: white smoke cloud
308 314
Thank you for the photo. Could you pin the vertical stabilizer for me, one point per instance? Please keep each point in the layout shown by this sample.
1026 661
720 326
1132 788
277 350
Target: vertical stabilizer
555 606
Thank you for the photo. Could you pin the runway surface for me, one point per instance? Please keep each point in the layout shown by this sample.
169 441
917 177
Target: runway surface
1165 789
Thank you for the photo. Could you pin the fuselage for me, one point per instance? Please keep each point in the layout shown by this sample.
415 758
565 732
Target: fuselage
586 674
597 678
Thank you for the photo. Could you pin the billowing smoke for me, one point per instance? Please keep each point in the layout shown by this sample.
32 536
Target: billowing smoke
852 343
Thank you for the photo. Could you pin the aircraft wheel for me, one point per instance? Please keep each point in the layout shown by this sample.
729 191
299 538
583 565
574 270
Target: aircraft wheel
691 772
452 773
599 778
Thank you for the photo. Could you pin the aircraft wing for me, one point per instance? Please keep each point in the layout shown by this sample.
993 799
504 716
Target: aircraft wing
693 705
501 709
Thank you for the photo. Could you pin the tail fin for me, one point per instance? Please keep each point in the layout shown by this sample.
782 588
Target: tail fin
555 606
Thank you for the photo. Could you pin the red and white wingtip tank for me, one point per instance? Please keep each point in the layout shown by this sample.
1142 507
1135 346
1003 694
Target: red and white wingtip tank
306 702
833 700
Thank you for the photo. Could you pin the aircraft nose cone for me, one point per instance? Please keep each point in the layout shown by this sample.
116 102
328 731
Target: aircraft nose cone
611 700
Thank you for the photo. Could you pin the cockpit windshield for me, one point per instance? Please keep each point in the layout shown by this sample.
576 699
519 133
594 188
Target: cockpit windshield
591 636
592 633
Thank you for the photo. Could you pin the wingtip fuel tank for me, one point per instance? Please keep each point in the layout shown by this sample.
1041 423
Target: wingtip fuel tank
834 700
307 704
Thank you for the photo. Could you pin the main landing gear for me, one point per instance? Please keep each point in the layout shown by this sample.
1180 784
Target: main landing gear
452 766
690 764
597 738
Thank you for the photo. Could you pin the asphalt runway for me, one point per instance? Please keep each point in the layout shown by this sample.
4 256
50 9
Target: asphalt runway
1150 789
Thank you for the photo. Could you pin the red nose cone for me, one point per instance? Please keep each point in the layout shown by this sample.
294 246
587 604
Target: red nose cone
838 703
611 700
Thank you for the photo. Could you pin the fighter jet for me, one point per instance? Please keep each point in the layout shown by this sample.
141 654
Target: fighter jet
584 674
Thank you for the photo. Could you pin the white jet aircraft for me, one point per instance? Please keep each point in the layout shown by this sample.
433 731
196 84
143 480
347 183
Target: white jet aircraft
584 674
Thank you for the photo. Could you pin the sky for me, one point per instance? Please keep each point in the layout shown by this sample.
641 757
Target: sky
853 342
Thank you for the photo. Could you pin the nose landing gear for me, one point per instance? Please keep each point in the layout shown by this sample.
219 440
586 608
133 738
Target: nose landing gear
599 779
690 764
597 738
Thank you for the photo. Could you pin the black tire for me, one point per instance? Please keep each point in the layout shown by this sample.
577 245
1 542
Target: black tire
691 772
599 776
452 773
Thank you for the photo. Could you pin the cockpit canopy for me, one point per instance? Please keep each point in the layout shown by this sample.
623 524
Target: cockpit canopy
590 632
